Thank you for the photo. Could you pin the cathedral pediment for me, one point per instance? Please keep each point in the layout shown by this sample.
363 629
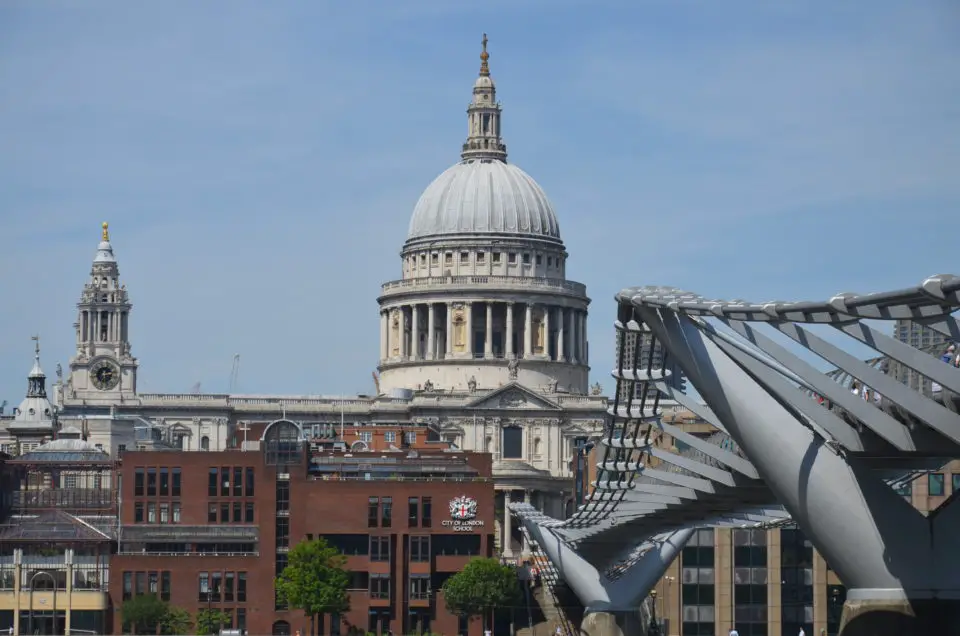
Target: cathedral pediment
514 396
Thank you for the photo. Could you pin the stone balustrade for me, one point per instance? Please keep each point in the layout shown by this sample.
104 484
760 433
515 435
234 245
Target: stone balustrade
484 282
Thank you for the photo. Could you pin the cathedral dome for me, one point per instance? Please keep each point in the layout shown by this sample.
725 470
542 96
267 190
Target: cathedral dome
480 196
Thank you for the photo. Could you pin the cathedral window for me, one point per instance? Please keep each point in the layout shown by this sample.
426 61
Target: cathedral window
496 257
435 258
448 258
512 442
526 259
464 257
205 443
549 261
480 256
539 259
423 259
511 258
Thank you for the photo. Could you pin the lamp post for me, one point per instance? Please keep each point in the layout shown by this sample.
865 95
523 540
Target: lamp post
654 629
665 610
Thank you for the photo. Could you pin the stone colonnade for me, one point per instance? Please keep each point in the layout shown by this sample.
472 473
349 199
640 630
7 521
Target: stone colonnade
439 330
538 499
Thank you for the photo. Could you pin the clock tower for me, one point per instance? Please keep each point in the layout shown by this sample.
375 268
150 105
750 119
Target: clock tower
102 369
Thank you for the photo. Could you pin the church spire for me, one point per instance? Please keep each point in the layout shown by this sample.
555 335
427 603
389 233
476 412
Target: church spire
36 380
483 117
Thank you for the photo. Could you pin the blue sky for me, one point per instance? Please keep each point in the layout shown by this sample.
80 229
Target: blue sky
258 162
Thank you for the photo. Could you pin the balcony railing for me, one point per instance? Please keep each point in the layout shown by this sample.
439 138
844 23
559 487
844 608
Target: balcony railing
64 498
485 281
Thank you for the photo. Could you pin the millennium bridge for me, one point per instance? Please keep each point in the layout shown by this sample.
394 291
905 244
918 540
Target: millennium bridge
793 443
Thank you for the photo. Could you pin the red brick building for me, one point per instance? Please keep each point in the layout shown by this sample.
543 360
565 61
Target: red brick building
211 530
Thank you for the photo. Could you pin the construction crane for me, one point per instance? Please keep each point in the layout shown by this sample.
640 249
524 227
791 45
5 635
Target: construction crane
376 381
234 373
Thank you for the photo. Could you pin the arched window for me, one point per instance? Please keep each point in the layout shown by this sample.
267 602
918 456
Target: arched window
283 443
281 628
205 443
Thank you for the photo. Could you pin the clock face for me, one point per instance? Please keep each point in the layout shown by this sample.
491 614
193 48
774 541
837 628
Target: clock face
106 375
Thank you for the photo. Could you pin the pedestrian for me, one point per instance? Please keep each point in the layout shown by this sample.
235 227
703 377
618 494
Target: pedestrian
802 633
734 632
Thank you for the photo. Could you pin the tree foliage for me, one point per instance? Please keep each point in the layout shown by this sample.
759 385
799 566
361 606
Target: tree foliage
315 579
144 613
483 585
177 621
211 621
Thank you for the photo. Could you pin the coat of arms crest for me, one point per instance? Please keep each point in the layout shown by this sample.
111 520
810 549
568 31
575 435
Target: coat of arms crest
463 508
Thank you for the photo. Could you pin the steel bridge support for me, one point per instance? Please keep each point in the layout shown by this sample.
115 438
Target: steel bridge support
902 569
611 608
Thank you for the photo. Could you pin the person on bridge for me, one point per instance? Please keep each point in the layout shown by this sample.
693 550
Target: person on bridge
734 632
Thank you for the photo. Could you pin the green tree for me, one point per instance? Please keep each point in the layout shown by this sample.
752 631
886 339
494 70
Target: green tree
481 587
177 621
211 621
315 579
144 613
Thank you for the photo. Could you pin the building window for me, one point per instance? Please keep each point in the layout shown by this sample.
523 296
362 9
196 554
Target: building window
419 587
175 508
164 482
365 436
248 512
480 258
386 512
238 512
427 511
176 483
127 586
464 257
283 531
420 549
250 482
151 513
539 259
204 443
237 481
228 587
373 512
151 482
154 582
204 587
526 259
224 481
225 513
750 581
512 445
413 512
380 586
216 586
935 484
165 586
212 483
410 437
697 586
241 587
511 258
390 437
495 257
138 480
379 548
955 482
904 489
164 513
138 512
796 590
212 513
242 619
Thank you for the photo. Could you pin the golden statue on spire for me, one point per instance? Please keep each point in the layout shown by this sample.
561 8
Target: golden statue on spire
106 231
484 56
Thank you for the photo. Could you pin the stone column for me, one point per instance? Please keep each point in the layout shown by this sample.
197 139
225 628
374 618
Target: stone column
415 332
507 526
431 330
449 335
546 330
528 332
488 342
525 548
384 335
468 310
584 354
402 332
509 335
562 319
572 316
